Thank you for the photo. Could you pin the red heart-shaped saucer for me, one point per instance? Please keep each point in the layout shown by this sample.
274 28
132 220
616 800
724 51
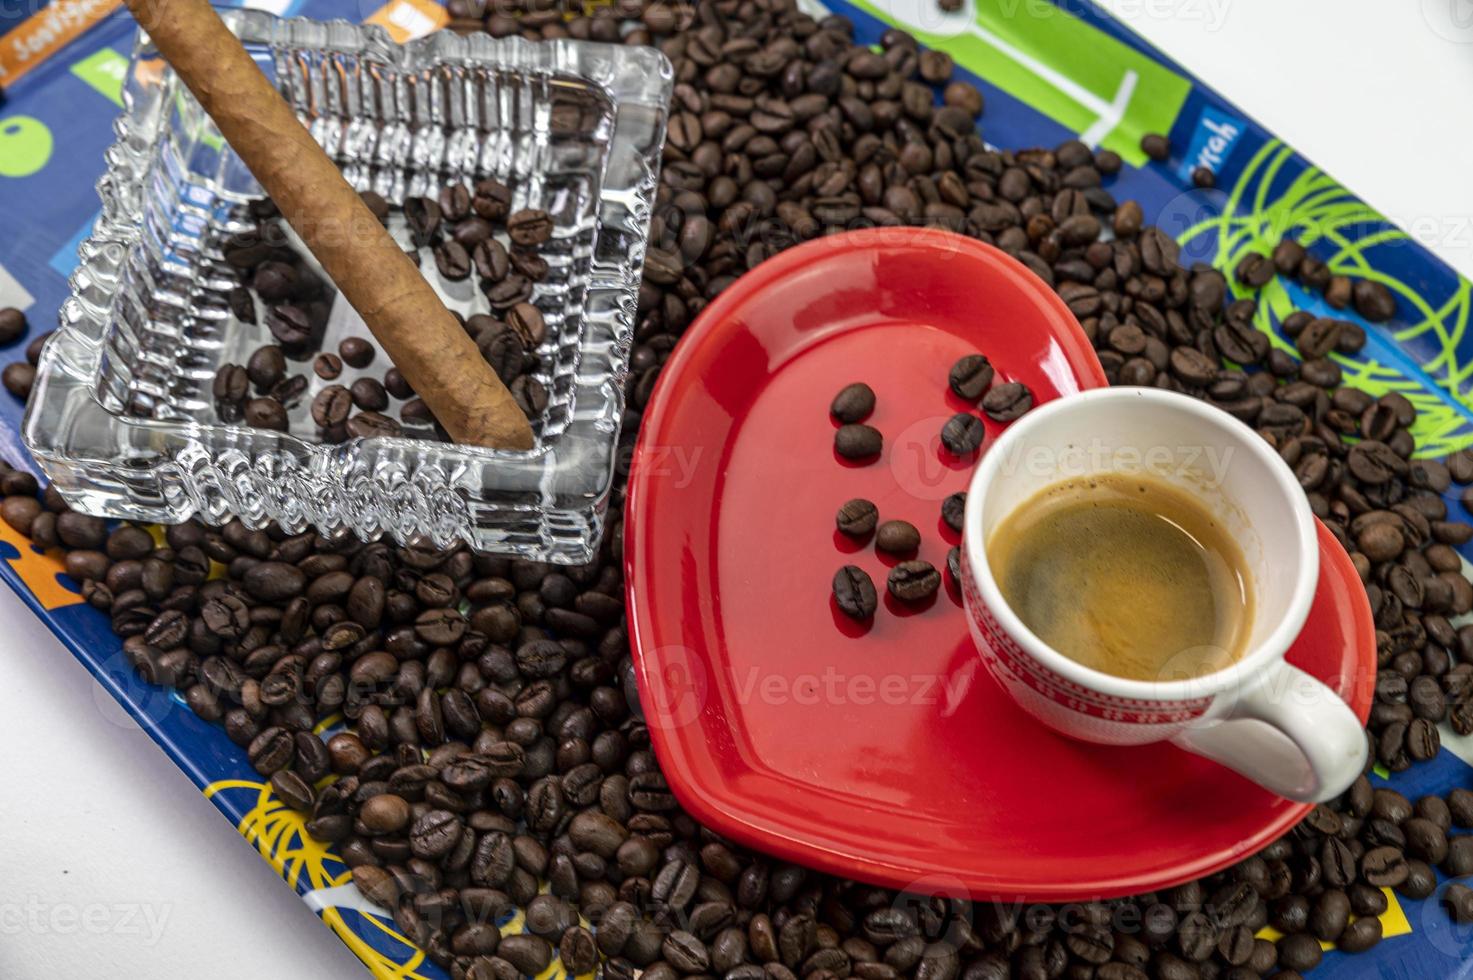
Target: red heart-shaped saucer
885 752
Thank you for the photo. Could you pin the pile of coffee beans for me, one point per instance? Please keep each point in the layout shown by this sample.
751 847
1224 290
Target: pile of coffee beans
493 739
463 228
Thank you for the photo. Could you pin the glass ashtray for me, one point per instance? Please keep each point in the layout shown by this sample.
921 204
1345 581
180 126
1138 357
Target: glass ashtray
122 417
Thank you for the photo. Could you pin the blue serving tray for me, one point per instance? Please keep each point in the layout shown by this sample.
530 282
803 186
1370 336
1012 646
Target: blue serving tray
1049 72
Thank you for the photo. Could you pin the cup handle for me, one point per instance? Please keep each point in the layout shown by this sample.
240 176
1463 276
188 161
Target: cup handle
1290 734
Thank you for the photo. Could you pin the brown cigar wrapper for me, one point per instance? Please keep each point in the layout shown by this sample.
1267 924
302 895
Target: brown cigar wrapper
419 334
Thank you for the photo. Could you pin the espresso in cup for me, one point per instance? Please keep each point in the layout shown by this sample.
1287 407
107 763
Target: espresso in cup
1126 574
1227 509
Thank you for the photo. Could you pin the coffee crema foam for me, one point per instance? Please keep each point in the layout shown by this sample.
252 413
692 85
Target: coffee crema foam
1128 575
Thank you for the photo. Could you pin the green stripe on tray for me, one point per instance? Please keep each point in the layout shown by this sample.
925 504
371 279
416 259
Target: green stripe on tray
1059 65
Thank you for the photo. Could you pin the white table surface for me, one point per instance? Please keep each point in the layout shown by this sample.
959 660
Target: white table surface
114 865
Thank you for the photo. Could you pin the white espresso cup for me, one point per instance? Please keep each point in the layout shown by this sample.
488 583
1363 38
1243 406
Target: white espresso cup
1260 716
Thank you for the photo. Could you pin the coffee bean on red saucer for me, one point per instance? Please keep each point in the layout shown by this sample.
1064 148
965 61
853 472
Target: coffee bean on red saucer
854 592
857 518
898 538
858 441
1007 402
970 377
853 403
913 581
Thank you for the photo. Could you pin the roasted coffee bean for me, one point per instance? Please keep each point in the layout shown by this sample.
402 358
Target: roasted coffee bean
20 513
1460 806
685 952
1384 867
505 352
1366 899
292 790
266 367
81 530
1459 858
435 834
953 510
455 199
375 203
423 216
1421 881
529 228
853 403
372 425
33 349
415 412
369 395
1007 401
913 581
231 385
491 260
1155 146
12 325
970 377
18 377
290 390
332 406
529 954
857 518
530 394
1196 937
1373 300
1329 915
491 199
1300 952
858 441
327 366
578 951
385 814
528 323
291 325
274 581
266 413
1457 899
854 592
271 751
1254 270
356 352
452 259
962 434
898 538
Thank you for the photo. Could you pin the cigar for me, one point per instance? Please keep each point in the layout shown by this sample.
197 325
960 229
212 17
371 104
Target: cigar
430 348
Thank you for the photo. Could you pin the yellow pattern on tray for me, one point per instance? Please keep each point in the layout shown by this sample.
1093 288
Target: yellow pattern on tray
38 570
279 835
1393 923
